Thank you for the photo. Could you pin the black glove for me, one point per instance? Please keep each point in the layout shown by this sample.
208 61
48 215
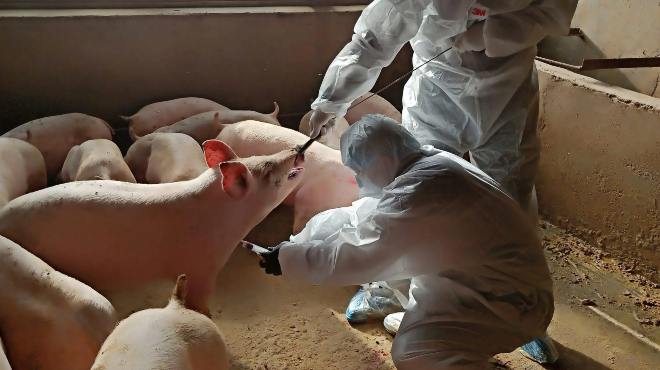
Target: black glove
270 261
269 257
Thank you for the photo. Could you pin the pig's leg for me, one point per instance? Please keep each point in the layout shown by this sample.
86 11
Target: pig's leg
4 362
200 289
314 198
301 215
4 197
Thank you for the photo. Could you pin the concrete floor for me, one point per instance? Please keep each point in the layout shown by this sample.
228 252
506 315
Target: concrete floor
270 324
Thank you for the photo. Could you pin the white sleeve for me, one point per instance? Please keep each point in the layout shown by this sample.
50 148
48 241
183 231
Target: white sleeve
509 33
354 255
380 32
396 241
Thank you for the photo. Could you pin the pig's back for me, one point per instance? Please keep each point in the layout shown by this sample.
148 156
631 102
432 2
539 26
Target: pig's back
101 193
100 153
136 342
177 339
100 146
22 167
63 124
75 209
250 138
368 104
54 136
77 226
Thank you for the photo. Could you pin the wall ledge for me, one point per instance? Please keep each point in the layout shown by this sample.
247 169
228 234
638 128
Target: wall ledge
615 93
73 13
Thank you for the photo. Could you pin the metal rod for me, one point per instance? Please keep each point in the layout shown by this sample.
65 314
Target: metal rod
400 78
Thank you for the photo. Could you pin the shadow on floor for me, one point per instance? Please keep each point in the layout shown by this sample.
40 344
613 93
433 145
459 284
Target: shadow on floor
570 359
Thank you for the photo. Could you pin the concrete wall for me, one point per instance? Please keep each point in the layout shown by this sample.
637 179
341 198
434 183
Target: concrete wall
600 164
112 62
614 29
599 169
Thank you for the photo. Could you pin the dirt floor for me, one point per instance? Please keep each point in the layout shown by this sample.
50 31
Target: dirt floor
270 324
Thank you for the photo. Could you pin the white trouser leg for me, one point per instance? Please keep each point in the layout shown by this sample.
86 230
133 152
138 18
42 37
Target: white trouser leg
451 345
511 155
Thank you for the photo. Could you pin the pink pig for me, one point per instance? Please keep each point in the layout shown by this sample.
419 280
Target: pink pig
54 136
22 169
331 137
173 338
327 183
206 125
115 235
4 361
98 159
48 320
164 113
160 158
374 105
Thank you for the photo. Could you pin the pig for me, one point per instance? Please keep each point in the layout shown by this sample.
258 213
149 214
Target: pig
327 183
165 113
374 105
173 338
331 136
4 361
48 320
207 125
54 136
97 159
22 169
117 235
159 158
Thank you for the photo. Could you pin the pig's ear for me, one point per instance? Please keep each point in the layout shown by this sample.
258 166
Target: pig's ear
216 152
234 179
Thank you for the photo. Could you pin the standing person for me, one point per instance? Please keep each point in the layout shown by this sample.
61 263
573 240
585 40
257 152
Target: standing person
480 97
480 284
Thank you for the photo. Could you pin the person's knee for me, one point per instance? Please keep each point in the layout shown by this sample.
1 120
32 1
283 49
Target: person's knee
405 359
398 354
402 361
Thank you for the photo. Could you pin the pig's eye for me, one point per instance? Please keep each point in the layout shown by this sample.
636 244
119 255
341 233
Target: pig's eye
267 168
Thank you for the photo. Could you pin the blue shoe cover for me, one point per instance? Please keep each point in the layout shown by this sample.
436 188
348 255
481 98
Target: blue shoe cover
541 350
371 301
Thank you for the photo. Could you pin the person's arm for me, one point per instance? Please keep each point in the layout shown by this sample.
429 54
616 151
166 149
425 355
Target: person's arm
509 33
351 256
398 240
380 32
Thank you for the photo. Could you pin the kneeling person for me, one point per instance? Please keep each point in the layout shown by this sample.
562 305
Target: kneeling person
480 284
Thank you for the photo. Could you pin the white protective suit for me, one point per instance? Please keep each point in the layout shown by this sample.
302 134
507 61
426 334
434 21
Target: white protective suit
480 284
483 102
